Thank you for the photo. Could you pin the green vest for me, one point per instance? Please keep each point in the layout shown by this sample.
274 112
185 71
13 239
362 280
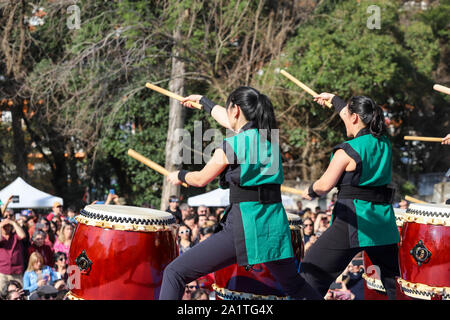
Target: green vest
375 223
265 226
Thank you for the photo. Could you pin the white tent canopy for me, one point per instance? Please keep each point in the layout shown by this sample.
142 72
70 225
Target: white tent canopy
29 197
220 198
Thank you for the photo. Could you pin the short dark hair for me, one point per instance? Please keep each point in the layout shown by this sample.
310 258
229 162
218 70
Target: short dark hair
192 216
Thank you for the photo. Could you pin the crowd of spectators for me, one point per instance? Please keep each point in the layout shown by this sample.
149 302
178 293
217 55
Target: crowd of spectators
33 253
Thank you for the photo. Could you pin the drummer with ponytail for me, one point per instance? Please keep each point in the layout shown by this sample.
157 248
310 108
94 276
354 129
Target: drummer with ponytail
363 217
254 228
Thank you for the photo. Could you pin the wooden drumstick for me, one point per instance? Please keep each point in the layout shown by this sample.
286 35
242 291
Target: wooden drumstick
429 139
151 164
171 94
303 86
291 190
441 88
411 199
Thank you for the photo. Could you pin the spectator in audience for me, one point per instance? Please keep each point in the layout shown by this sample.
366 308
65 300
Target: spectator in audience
15 295
38 245
62 288
354 280
300 210
31 225
45 292
12 286
184 239
59 222
202 219
308 233
37 274
64 239
44 225
332 202
219 212
403 204
9 214
191 221
71 213
202 210
60 266
213 219
54 228
200 294
11 251
338 291
174 209
185 210
189 289
308 229
307 214
321 224
57 210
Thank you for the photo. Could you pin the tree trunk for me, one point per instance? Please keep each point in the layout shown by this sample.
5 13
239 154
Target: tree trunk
20 154
176 115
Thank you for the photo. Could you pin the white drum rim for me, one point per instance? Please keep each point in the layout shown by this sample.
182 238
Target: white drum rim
436 214
399 215
373 283
422 291
227 294
125 218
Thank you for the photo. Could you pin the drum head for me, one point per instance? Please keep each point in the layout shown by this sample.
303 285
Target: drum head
127 215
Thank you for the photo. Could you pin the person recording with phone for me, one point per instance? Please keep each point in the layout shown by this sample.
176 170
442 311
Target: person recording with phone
38 274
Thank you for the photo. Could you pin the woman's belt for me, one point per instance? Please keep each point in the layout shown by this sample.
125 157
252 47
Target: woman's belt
380 194
264 193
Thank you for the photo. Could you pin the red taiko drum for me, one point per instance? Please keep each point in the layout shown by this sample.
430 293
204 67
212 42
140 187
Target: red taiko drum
424 253
373 287
120 252
255 283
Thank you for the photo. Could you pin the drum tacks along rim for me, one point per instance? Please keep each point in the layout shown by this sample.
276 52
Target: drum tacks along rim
94 215
427 214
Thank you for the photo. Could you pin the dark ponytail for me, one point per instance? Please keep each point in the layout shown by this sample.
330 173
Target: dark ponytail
370 114
255 106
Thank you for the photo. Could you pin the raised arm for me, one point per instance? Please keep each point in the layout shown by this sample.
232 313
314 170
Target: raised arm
201 178
218 112
5 205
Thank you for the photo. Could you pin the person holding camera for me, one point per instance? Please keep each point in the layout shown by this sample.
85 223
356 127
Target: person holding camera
11 251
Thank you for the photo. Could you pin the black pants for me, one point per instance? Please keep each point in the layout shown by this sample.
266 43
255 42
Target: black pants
326 260
217 252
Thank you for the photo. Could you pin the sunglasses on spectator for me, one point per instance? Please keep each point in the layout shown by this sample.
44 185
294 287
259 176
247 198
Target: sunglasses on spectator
62 259
191 287
174 200
48 296
308 225
185 231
